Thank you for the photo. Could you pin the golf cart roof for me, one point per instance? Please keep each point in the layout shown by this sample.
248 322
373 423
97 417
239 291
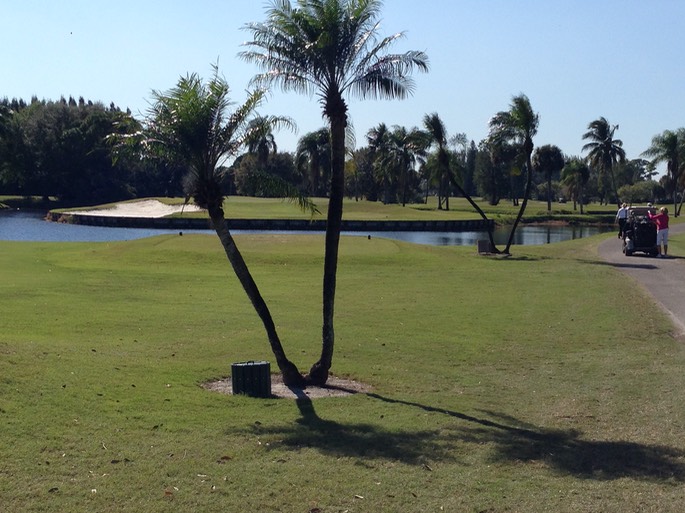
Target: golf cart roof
641 211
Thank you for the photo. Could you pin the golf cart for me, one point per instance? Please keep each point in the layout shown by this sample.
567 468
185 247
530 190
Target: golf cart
639 234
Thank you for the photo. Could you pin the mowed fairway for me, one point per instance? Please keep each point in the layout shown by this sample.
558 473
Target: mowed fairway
541 382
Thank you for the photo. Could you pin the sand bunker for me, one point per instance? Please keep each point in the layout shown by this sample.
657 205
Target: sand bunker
145 208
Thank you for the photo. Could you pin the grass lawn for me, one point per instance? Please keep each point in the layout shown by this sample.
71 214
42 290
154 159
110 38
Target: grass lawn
527 384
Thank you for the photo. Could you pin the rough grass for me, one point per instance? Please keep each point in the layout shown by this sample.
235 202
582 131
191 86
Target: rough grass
525 384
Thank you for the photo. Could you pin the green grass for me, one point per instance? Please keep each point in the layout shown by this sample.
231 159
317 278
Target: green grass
523 384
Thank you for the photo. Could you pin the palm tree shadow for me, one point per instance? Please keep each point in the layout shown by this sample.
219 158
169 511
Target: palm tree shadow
362 440
564 452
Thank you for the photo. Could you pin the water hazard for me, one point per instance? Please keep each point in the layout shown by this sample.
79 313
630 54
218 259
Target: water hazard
30 226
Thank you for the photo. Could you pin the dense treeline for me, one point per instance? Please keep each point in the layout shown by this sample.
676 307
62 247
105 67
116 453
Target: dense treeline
61 149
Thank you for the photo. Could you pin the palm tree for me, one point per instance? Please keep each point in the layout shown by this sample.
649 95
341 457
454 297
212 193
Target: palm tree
669 147
407 148
575 175
378 139
437 135
331 48
605 151
517 126
260 139
313 158
191 124
548 160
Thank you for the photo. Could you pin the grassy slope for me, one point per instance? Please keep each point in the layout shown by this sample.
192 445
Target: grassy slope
517 384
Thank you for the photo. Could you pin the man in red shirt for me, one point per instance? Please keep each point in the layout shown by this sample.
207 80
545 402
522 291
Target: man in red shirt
661 221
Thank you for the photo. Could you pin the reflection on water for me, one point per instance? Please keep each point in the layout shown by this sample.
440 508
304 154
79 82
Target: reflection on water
30 226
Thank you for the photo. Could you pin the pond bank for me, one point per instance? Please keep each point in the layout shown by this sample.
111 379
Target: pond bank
194 223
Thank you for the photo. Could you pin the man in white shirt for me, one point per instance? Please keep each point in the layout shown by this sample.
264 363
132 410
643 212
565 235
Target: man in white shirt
622 217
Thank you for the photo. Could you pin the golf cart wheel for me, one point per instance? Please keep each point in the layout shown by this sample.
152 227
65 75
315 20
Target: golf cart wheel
628 252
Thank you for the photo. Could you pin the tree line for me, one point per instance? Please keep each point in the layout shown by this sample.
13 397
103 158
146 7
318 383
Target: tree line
61 149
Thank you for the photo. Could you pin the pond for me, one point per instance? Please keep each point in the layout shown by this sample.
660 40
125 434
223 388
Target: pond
21 225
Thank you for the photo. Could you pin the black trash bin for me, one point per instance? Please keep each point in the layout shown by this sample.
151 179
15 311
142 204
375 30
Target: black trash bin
251 378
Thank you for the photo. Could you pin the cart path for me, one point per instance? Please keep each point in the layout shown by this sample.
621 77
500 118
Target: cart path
662 278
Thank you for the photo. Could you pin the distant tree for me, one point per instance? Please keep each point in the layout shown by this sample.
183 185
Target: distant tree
604 151
437 136
640 192
517 126
549 161
470 169
406 150
59 149
575 176
252 178
331 48
669 147
488 176
260 136
378 139
364 182
313 159
634 171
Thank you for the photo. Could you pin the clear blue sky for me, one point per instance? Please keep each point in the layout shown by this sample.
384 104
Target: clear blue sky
576 60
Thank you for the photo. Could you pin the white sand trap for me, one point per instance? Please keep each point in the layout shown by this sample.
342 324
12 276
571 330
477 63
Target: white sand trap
144 208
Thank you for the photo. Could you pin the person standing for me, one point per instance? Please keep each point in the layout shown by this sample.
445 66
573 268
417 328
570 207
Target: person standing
661 221
622 218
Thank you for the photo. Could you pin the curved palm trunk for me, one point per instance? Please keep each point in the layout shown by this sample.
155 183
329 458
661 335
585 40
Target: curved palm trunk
478 209
291 375
318 374
529 181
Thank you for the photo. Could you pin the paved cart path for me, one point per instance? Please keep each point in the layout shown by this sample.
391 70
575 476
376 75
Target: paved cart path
663 278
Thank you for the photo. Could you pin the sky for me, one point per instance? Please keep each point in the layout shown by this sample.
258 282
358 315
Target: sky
576 60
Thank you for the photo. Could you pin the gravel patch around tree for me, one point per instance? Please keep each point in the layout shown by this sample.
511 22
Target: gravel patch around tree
335 387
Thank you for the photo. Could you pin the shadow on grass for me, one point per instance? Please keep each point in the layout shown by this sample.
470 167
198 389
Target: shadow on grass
621 265
362 440
562 451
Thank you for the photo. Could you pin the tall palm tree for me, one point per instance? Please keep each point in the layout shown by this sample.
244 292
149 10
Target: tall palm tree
191 124
437 135
669 147
331 48
517 126
604 150
313 158
548 160
575 175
